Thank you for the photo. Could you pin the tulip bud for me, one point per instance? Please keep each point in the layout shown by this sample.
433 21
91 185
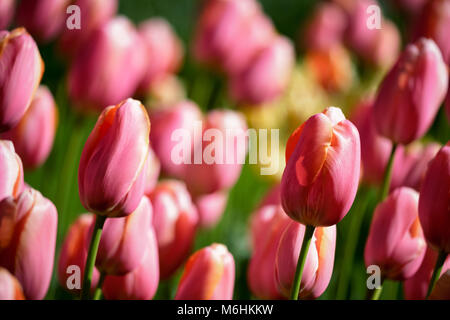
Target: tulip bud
10 288
164 51
319 260
267 75
111 175
183 115
108 68
6 13
267 227
93 14
326 27
44 19
395 242
441 290
230 33
27 241
208 275
175 221
41 117
123 242
322 170
74 252
153 168
223 149
434 23
211 207
18 53
11 172
142 282
415 288
434 202
411 93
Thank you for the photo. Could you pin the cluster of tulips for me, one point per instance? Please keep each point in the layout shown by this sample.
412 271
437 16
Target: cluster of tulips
139 229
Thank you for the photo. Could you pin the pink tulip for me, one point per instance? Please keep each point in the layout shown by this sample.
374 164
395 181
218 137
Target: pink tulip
93 14
28 238
21 69
223 151
326 27
375 149
434 203
74 253
111 175
319 260
123 242
267 75
142 282
208 275
6 13
164 51
108 68
267 227
411 93
322 170
11 171
210 208
386 47
395 242
175 221
230 32
41 117
441 290
416 287
44 19
10 288
184 116
434 23
153 167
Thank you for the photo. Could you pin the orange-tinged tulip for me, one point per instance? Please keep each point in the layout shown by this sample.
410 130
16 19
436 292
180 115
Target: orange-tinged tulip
10 288
11 171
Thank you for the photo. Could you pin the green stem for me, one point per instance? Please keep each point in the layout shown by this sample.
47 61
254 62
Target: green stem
92 255
388 174
98 290
437 271
375 293
309 232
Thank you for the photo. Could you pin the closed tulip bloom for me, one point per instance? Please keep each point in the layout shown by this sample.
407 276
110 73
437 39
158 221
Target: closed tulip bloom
141 283
319 260
74 252
210 207
108 67
153 168
6 13
411 93
111 175
395 242
123 242
93 14
11 171
441 290
166 121
208 275
28 238
34 134
267 227
164 51
267 75
415 288
10 288
44 19
21 69
322 170
223 149
434 203
230 32
175 222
